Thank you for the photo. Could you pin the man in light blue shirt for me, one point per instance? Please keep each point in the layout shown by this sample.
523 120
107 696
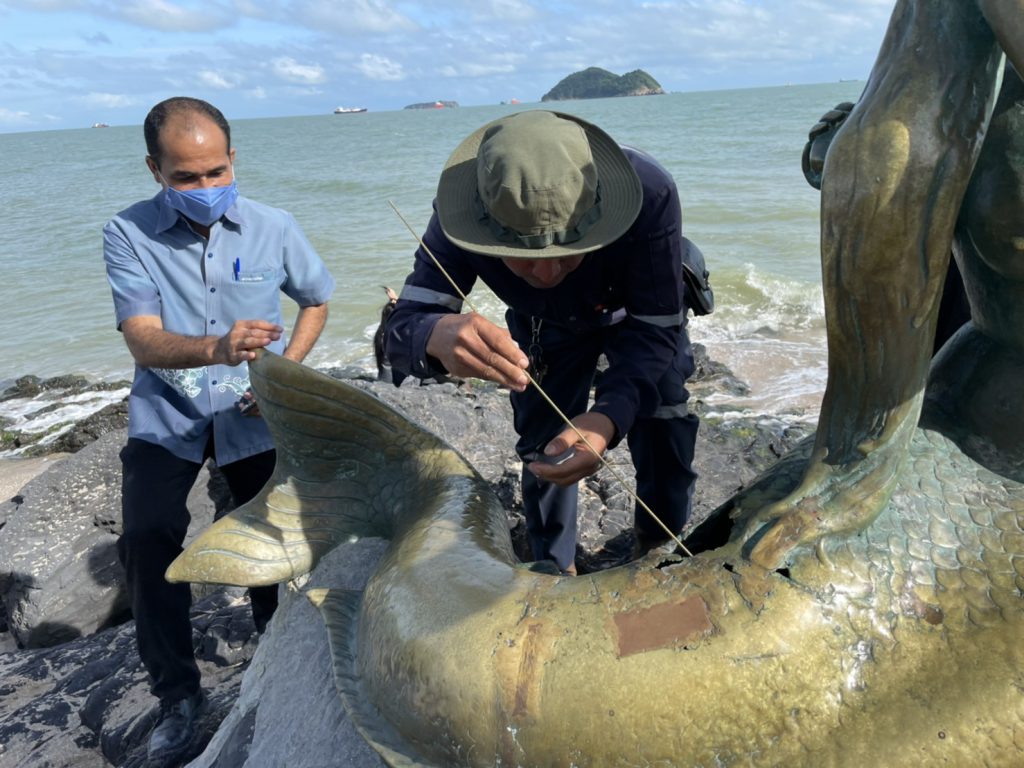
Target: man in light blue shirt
197 274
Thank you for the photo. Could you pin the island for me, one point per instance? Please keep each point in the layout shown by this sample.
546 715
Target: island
433 105
597 83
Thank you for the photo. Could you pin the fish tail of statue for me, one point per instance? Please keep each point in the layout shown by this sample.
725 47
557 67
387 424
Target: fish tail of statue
340 454
340 610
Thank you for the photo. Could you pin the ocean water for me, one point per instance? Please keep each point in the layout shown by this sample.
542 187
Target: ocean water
735 156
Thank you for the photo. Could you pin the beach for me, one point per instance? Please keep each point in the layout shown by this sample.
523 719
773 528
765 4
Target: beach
16 473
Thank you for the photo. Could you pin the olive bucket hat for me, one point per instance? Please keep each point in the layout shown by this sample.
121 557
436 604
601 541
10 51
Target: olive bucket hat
535 185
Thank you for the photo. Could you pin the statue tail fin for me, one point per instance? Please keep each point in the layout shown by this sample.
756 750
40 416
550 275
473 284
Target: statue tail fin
343 459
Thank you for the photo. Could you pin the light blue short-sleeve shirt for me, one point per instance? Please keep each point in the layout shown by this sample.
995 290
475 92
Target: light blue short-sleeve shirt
158 265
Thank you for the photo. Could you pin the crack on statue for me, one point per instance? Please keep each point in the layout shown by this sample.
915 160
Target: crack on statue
667 561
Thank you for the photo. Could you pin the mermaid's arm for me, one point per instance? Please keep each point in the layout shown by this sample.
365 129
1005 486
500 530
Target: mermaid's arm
1006 18
892 184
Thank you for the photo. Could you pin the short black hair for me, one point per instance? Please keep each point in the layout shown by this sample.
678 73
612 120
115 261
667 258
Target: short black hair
179 105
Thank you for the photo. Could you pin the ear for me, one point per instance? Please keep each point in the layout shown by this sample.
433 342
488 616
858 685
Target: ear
154 169
231 155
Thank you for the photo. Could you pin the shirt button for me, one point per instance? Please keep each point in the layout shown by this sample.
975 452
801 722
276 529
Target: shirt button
213 322
213 290
209 255
214 382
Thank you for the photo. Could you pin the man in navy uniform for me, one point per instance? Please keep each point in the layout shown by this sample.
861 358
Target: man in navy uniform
581 239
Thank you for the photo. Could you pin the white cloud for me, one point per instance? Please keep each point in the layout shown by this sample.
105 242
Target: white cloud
223 81
107 100
289 69
13 117
501 65
298 90
173 17
379 67
507 10
350 17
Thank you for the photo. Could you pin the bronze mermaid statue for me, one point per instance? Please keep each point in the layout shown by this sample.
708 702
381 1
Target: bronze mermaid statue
860 603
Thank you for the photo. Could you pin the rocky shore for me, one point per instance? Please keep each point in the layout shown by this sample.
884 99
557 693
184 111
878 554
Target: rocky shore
72 689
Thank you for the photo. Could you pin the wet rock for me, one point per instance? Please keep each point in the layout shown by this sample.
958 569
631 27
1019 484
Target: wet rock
108 419
59 573
41 429
86 702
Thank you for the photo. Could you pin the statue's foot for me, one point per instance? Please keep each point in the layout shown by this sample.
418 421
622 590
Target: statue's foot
771 537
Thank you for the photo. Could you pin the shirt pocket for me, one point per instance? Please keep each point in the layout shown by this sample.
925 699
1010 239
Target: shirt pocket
257 277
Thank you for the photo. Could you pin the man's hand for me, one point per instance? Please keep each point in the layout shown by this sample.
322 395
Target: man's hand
153 347
246 336
247 405
597 428
469 345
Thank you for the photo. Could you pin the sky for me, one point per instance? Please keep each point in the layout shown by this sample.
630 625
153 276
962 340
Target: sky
72 63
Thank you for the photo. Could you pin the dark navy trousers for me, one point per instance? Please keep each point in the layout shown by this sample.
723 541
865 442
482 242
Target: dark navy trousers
662 445
154 488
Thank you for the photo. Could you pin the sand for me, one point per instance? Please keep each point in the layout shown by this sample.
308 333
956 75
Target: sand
15 473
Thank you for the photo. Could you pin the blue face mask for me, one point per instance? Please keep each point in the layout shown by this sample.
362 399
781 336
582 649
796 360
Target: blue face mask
203 206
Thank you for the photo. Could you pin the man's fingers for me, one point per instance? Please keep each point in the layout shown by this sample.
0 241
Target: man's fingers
597 429
582 464
259 325
493 353
255 342
502 345
503 370
469 345
487 365
253 334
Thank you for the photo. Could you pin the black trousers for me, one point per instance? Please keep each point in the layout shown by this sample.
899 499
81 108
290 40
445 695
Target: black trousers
154 488
661 445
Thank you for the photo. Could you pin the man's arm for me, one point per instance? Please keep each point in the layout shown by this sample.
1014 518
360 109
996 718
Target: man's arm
471 345
308 326
426 334
648 339
154 347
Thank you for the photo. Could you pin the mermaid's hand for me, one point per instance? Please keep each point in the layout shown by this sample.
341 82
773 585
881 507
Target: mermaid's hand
831 499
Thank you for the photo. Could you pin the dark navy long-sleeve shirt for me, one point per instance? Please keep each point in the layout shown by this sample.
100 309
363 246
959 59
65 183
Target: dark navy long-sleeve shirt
639 275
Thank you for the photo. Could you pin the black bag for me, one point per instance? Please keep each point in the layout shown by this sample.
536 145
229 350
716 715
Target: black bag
699 296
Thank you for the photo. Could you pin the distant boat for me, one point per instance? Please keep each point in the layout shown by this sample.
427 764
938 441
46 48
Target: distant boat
348 110
100 125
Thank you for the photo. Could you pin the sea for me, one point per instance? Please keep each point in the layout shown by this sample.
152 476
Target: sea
735 156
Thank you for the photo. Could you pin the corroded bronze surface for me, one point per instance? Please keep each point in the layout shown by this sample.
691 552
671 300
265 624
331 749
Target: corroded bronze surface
898 646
